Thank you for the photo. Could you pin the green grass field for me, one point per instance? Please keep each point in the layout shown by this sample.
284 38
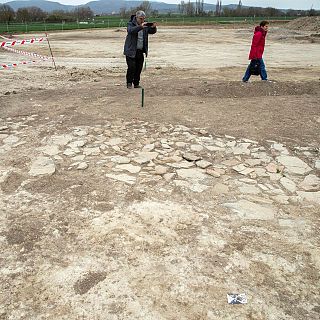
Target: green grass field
117 22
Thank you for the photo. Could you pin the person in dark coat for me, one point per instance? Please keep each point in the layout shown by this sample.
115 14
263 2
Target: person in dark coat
136 45
257 49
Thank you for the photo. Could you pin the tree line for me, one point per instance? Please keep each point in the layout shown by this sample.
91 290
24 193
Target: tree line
35 14
144 6
191 8
81 13
185 8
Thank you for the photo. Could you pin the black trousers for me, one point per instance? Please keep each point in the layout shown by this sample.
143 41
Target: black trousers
135 67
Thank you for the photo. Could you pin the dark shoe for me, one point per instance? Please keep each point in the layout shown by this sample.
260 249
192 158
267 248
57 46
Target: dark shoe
129 85
137 86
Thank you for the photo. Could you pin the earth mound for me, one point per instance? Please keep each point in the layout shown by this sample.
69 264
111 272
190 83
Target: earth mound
305 24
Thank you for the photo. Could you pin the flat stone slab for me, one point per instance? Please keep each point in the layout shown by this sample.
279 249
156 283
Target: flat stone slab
203 164
288 184
50 150
197 187
160 170
93 151
148 147
80 132
192 174
129 167
310 183
120 159
122 177
196 147
249 189
241 148
11 140
252 211
61 140
181 164
82 166
310 196
77 144
80 157
145 157
71 152
42 166
114 141
294 164
191 157
220 188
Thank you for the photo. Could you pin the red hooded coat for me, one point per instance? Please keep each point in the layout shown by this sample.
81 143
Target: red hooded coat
258 43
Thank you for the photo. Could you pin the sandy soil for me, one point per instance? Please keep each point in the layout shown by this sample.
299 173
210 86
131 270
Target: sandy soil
113 211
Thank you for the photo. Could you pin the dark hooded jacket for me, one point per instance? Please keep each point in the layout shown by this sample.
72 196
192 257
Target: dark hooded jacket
130 45
258 43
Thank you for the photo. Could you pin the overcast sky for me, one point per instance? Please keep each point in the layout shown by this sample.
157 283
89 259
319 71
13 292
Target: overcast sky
282 4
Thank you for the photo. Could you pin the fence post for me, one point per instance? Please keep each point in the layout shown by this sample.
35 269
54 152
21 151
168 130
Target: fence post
7 26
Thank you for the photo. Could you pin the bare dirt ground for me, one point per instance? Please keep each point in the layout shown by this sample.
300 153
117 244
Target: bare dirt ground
113 211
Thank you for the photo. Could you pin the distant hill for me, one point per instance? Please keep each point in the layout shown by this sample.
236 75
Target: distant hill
42 4
99 7
106 6
109 6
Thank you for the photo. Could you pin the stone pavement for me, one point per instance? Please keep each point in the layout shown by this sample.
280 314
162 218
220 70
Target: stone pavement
156 212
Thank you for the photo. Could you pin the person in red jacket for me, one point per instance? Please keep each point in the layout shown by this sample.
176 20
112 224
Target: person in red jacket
256 52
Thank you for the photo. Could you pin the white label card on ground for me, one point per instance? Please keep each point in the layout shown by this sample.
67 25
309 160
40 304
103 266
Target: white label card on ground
237 298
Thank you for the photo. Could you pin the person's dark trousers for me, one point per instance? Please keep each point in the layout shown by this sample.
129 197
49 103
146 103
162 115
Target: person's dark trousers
135 66
263 72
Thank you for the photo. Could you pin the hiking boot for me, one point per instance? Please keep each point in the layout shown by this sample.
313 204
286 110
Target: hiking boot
129 85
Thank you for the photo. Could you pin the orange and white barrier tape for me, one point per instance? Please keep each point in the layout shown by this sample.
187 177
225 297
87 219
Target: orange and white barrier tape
8 66
13 65
21 42
26 53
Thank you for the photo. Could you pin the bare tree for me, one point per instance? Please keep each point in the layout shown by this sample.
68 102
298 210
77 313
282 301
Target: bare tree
218 8
182 7
199 7
83 13
123 12
23 15
36 14
144 6
60 15
6 13
190 9
154 13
